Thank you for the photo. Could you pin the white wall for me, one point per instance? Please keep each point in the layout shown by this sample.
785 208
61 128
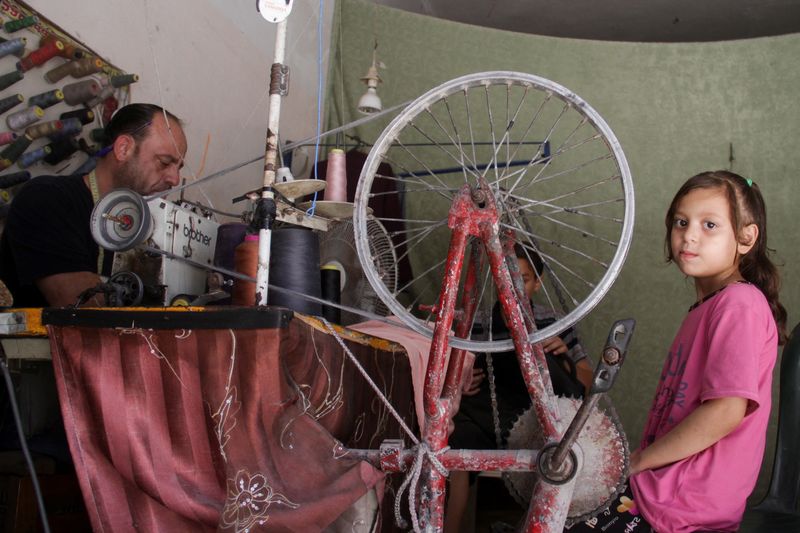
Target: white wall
208 62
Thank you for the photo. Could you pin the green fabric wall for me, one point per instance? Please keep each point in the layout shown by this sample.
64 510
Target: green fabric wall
676 109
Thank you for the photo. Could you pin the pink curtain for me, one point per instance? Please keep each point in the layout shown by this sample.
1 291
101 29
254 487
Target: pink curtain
221 429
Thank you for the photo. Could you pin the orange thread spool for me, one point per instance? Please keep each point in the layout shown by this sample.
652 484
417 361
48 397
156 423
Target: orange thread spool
70 51
245 261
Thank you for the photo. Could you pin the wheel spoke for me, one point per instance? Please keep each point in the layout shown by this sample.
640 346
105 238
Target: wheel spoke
559 179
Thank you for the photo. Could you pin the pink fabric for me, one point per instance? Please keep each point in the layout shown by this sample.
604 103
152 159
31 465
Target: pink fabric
418 348
726 347
204 430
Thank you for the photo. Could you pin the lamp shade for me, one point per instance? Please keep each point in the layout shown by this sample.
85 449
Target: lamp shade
370 102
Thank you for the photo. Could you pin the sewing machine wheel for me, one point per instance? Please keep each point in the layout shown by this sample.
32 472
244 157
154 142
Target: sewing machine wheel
132 288
558 174
120 220
605 459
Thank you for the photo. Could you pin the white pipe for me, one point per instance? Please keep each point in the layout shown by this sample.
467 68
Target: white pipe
270 166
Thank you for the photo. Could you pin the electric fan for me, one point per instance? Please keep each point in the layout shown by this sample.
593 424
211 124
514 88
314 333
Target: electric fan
338 249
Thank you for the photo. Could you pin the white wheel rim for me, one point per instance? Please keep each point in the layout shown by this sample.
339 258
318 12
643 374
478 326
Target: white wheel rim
420 106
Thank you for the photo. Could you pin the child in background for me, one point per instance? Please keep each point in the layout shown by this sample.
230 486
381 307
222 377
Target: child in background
474 426
705 434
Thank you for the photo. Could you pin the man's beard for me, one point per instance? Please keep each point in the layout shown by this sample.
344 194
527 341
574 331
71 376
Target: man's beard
130 175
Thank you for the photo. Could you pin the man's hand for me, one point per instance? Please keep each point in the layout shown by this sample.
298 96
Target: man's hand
584 373
554 345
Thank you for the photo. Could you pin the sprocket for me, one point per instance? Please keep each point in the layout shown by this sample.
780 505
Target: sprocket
605 459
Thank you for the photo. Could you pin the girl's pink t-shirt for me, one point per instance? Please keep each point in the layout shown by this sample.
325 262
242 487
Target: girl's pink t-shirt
726 347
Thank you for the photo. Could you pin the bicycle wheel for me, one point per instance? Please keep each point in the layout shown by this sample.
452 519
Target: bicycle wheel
560 181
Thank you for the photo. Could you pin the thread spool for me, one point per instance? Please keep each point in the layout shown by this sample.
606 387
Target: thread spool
229 236
70 126
80 92
44 129
15 25
12 152
14 46
122 80
336 178
29 158
110 105
245 260
61 149
20 120
98 135
57 74
41 55
15 178
331 279
7 80
10 101
84 146
87 66
70 51
7 137
86 116
77 68
46 99
294 264
105 92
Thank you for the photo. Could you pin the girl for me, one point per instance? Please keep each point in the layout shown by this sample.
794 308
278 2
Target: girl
705 434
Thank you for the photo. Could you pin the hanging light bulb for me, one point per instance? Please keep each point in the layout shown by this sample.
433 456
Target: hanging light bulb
370 102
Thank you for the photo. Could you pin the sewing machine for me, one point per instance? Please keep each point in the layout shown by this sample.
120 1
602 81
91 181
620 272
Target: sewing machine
178 230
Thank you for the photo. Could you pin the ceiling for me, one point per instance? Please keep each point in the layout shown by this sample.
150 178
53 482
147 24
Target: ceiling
621 20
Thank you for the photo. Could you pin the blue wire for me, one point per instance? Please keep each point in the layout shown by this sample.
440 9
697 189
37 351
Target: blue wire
319 101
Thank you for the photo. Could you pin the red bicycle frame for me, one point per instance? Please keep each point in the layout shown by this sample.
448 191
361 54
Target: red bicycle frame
474 216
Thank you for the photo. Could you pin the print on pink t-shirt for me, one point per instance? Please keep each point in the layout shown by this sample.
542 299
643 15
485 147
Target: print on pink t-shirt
725 347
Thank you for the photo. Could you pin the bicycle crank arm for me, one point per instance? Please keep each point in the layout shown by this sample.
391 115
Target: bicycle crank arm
552 456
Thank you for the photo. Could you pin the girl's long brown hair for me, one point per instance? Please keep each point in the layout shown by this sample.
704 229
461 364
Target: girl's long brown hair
747 207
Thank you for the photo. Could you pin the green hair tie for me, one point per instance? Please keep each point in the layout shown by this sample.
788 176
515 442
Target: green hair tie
749 182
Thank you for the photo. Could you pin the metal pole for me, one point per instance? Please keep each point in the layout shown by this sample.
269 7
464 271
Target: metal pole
278 87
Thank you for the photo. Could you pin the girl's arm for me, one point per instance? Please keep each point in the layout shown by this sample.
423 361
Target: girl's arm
704 426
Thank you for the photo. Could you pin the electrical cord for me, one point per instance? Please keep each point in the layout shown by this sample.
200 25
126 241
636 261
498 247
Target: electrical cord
22 442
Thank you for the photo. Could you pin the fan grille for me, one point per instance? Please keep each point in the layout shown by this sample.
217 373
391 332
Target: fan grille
337 248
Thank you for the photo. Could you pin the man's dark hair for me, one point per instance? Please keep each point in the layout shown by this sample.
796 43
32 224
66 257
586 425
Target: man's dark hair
531 257
133 120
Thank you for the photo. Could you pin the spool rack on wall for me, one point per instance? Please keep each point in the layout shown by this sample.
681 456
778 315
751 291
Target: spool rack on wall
56 94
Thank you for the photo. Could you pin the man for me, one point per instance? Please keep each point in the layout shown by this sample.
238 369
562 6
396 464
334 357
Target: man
47 254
